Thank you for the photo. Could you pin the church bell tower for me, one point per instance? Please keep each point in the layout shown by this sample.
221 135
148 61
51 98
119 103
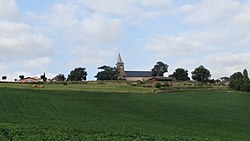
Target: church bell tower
120 67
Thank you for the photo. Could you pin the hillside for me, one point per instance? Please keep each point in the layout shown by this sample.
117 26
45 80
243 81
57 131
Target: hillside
121 112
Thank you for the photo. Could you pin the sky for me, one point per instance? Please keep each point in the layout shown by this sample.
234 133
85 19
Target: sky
56 36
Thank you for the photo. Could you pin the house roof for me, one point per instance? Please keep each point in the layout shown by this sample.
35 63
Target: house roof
138 73
28 79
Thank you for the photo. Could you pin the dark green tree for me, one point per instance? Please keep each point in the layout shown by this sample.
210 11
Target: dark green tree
107 73
4 77
78 74
21 76
60 77
181 74
245 77
201 74
239 81
43 77
246 81
159 69
236 81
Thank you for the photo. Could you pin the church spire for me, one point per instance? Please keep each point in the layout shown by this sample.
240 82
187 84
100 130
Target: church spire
120 67
119 60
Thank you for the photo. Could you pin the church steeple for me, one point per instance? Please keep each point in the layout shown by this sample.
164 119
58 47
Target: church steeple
119 60
120 67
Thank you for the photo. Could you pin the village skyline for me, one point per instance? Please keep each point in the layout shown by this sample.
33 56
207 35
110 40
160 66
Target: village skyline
56 36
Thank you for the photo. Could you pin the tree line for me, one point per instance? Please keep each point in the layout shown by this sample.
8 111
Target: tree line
200 74
237 81
112 73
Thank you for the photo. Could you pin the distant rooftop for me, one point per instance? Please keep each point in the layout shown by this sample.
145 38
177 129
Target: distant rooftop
138 73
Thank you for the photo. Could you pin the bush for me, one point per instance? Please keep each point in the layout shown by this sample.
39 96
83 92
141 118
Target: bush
158 85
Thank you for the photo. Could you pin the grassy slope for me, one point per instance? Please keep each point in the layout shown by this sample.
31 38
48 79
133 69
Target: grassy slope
96 87
207 114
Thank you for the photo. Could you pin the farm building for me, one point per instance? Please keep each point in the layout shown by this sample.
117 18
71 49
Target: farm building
30 80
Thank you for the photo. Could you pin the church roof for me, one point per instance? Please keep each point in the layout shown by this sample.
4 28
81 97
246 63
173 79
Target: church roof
138 73
119 60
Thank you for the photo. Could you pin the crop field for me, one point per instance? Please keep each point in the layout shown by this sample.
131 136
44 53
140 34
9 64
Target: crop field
121 112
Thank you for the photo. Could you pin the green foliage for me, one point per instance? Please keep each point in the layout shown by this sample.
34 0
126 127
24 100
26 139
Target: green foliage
159 69
158 85
239 81
4 77
75 113
245 77
246 87
236 81
181 74
21 76
78 74
107 73
60 77
201 74
32 133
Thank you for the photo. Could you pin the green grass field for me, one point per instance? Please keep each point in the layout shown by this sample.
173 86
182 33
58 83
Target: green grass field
121 112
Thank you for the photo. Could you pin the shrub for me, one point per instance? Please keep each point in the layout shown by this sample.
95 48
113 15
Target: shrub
158 85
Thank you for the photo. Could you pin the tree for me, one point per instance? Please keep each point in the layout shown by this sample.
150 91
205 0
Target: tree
239 81
236 81
21 76
159 69
60 77
4 77
43 77
181 74
245 76
201 74
78 74
107 73
246 81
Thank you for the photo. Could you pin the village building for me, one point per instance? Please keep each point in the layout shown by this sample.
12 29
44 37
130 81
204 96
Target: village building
30 80
131 75
136 75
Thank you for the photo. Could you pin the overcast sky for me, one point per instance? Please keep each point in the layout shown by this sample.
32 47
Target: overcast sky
55 36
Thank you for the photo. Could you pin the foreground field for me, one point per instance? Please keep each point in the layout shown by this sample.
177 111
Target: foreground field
77 112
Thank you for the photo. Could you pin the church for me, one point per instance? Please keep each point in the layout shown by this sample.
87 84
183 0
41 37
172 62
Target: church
131 75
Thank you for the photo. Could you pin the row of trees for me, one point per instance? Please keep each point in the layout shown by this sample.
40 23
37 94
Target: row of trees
78 74
200 73
237 81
